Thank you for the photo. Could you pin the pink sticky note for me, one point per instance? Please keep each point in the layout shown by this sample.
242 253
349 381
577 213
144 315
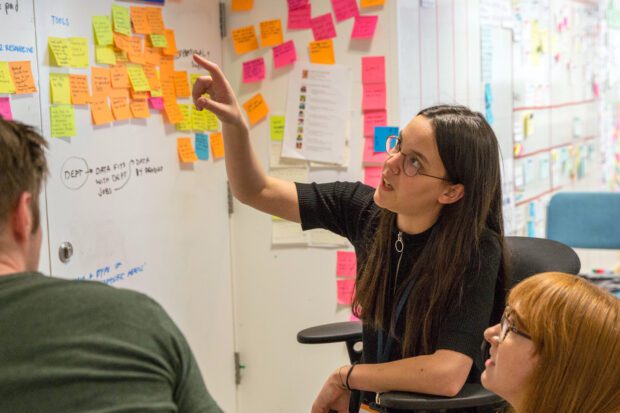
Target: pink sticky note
364 27
596 89
284 54
372 119
346 264
373 69
323 27
346 289
295 4
345 9
157 103
372 175
300 18
373 97
370 157
5 109
254 70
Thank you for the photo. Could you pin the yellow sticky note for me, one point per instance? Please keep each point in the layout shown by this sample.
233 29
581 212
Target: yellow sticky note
78 55
60 88
277 127
244 39
364 4
212 121
103 30
105 55
138 79
271 33
242 5
6 82
60 51
216 142
62 121
199 119
186 150
186 123
122 23
159 40
322 52
528 124
256 108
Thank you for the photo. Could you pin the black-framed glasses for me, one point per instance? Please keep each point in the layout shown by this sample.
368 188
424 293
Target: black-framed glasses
411 164
506 325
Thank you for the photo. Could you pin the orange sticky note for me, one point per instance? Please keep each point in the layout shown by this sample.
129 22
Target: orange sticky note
322 52
100 110
119 77
122 42
21 72
186 150
139 95
256 108
80 95
167 87
120 108
244 39
364 4
100 81
271 33
151 76
242 5
119 93
181 85
152 55
217 145
171 50
135 50
173 112
155 20
139 20
140 109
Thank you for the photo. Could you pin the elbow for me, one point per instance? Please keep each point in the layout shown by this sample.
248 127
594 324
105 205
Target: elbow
452 388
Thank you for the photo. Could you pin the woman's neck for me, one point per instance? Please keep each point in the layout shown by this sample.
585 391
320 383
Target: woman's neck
416 224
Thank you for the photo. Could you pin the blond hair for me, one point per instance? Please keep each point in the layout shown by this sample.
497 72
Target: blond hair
575 328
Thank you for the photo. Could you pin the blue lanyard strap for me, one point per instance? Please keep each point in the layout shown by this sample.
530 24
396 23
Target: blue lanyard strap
383 353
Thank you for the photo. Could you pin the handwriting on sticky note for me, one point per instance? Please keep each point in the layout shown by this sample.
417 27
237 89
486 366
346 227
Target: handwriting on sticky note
199 119
284 54
345 290
100 110
80 95
373 96
140 109
138 79
60 51
277 127
364 27
159 40
120 108
181 86
78 52
6 80
100 81
372 119
346 264
21 73
373 69
217 145
244 39
322 52
372 175
186 123
345 9
103 30
256 108
186 150
119 77
323 27
139 20
171 48
60 88
155 20
201 143
299 18
5 109
271 33
172 109
254 70
120 17
105 55
62 121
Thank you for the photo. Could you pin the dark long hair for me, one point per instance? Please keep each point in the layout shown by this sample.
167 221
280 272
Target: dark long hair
470 153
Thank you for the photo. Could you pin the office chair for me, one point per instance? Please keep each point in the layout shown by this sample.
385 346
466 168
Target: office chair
528 256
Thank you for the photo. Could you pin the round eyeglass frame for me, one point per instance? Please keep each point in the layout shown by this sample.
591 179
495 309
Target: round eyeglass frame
393 141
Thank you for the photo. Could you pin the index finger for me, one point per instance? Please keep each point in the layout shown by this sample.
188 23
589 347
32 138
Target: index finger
214 70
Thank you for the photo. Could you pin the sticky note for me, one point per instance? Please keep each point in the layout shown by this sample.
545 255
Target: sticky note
373 69
159 40
346 264
121 20
181 86
139 20
242 5
62 121
198 119
373 96
80 95
140 109
138 95
345 9
78 52
271 33
60 51
60 88
365 4
21 74
201 143
372 119
122 42
254 70
381 135
345 290
256 108
216 141
167 87
138 79
6 80
299 18
135 50
171 48
152 55
119 93
5 109
120 108
186 150
100 110
322 52
186 122
370 157
157 103
528 124
100 80
364 27
119 77
284 54
323 27
105 55
244 39
372 175
276 123
155 20
173 112
212 122
151 76
103 30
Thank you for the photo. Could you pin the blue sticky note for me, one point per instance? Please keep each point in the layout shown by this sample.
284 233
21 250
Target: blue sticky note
488 95
202 146
381 135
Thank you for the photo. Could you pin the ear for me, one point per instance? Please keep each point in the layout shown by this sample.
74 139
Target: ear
21 219
452 194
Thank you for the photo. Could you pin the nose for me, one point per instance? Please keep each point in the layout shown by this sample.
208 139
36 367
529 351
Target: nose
491 334
393 163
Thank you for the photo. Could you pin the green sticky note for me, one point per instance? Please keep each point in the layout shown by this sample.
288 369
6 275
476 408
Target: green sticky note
159 40
103 30
199 119
122 23
60 88
60 51
78 48
6 82
62 121
138 79
186 123
105 55
277 127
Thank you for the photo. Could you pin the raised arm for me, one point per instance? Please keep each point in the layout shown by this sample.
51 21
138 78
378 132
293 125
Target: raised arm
248 181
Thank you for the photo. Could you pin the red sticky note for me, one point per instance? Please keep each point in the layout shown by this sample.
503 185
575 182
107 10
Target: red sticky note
295 4
373 97
372 119
345 9
323 27
346 290
299 18
372 175
5 109
284 54
364 27
254 70
346 264
373 69
370 157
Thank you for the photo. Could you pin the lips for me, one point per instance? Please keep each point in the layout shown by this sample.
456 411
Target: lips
386 184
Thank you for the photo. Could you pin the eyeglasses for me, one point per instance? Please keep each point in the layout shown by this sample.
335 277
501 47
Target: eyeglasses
505 326
411 164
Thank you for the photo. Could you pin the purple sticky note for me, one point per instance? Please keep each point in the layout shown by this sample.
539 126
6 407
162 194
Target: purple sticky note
373 97
5 109
364 27
323 27
254 70
345 9
157 103
284 54
346 290
295 4
346 264
372 175
300 18
372 119
373 69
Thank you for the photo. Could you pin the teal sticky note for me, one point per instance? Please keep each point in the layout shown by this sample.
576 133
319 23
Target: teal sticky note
381 135
202 146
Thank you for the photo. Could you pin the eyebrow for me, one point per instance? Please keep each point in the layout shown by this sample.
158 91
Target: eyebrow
418 154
